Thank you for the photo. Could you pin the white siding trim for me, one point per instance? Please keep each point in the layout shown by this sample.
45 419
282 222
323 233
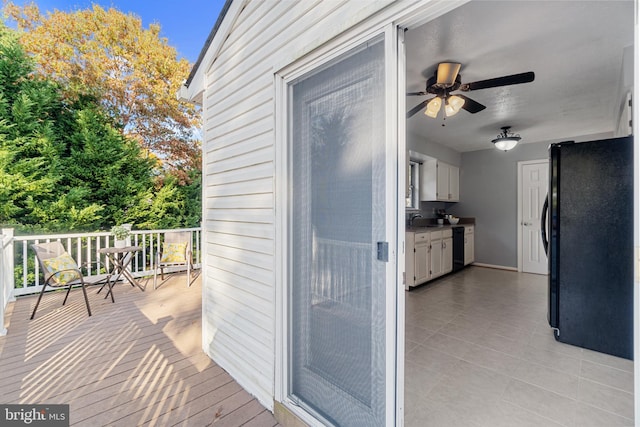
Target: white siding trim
198 83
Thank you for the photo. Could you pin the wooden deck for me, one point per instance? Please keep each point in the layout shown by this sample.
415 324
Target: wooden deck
136 362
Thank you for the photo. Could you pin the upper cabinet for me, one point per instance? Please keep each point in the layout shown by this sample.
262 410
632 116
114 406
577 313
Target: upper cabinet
440 182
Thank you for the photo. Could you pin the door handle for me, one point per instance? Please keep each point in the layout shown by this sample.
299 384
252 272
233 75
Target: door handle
543 225
383 251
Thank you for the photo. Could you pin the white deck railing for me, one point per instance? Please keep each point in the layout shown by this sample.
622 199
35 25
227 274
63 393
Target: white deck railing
340 273
6 274
21 272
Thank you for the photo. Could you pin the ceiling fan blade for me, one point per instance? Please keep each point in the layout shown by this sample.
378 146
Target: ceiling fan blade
447 73
417 93
513 79
418 107
470 105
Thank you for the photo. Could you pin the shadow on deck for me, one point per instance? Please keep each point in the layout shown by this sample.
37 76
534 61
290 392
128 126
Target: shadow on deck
136 362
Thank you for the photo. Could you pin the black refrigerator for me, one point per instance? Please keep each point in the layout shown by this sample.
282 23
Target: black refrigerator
590 244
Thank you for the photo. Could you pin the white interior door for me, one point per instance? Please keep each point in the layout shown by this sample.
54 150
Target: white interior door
339 226
534 185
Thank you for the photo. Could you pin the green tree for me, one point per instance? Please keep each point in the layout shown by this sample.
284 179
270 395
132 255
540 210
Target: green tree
132 70
64 165
170 205
29 172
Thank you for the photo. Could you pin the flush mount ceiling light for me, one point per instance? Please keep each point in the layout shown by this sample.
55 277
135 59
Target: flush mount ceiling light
506 140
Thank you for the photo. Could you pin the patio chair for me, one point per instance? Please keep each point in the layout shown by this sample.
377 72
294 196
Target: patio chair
60 270
176 252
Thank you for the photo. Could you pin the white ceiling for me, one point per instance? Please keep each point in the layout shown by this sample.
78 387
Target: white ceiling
576 49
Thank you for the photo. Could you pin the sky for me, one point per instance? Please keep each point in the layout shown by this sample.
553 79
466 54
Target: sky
185 23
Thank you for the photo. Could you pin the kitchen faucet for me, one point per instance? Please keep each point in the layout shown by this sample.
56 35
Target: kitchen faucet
414 216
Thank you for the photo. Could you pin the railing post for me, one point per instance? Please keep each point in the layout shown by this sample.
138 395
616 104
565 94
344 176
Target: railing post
6 274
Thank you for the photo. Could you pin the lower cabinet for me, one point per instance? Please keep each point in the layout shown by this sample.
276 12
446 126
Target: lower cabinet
447 255
441 260
417 258
420 256
429 255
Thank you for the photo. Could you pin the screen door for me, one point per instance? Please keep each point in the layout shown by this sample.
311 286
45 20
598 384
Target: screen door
337 250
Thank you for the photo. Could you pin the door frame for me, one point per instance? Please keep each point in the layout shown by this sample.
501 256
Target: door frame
282 208
521 164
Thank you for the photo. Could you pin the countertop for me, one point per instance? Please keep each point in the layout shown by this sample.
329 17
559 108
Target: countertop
423 226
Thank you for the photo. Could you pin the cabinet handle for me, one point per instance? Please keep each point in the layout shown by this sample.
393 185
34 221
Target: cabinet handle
444 245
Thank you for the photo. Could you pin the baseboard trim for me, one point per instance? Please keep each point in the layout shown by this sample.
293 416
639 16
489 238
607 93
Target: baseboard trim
497 267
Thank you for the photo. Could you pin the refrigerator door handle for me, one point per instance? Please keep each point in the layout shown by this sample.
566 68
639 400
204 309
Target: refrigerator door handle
543 225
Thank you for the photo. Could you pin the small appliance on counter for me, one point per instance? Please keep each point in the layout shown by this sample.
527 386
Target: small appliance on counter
590 244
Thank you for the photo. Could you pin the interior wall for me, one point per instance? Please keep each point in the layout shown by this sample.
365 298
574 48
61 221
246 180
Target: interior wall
488 192
440 152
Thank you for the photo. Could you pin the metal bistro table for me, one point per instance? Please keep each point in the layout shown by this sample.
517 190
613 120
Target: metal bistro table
120 258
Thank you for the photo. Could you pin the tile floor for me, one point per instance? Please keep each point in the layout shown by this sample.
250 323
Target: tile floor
479 352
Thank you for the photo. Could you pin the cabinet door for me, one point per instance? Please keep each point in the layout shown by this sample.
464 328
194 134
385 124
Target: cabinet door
447 255
469 255
442 181
429 180
421 263
454 184
436 258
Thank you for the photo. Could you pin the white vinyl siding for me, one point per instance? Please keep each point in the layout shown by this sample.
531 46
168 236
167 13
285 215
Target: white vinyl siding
239 172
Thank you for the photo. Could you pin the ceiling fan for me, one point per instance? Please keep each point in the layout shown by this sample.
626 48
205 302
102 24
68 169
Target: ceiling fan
446 80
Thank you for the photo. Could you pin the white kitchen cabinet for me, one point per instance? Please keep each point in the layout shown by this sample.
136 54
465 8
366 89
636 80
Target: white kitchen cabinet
447 255
421 257
454 183
439 181
429 255
441 253
436 255
469 249
417 257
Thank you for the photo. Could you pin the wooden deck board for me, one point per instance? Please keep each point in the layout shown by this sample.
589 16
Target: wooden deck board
137 361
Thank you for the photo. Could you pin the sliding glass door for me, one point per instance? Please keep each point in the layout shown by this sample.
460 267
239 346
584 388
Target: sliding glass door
338 250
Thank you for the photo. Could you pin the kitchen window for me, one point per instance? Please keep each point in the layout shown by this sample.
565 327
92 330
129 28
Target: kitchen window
413 187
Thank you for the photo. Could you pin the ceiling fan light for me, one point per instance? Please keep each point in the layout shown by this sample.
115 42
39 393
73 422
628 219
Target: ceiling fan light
506 140
433 107
453 105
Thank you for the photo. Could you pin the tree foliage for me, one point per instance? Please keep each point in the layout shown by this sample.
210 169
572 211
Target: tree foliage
132 70
65 165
